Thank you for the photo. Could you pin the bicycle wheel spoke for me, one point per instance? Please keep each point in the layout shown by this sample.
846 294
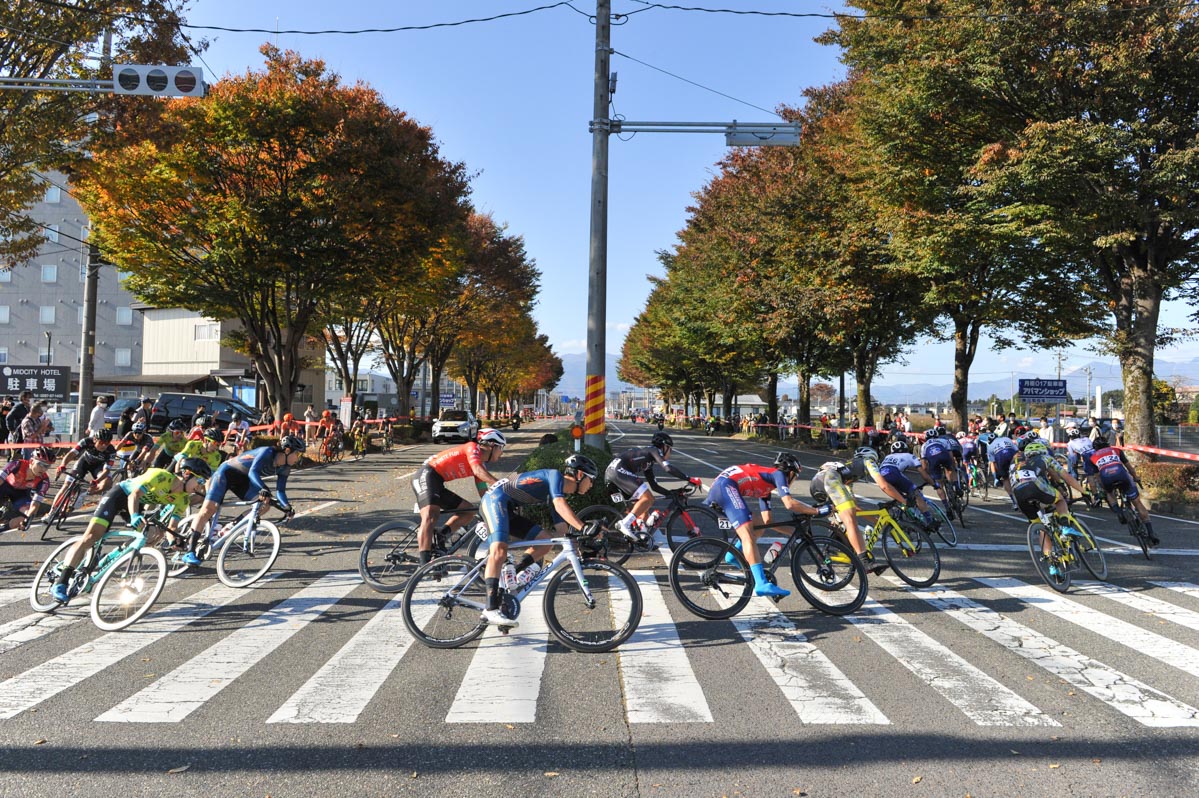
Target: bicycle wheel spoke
1089 552
597 618
1059 578
443 600
692 522
828 575
248 554
389 556
705 580
128 589
911 554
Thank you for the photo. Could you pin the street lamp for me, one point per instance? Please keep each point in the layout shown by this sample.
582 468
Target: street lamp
49 338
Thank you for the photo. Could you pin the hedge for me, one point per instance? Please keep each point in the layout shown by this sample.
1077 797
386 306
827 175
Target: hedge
1171 482
553 455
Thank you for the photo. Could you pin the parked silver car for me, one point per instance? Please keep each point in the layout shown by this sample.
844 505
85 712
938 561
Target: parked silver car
455 424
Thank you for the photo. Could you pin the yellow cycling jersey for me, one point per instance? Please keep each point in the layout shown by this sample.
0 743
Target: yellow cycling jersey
155 488
196 449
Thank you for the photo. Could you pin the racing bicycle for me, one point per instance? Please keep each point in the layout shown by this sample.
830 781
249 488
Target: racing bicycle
246 548
1071 544
390 555
679 523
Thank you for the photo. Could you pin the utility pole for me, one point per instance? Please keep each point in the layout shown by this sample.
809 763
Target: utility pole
1089 372
597 300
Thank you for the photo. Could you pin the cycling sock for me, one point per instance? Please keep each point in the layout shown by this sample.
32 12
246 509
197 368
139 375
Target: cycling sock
524 563
493 592
630 521
65 576
425 556
759 572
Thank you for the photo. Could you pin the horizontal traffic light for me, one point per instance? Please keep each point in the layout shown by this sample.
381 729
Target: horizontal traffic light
156 80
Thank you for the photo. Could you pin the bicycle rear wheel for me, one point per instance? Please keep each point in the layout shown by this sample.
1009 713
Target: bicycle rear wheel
688 523
828 574
615 546
248 554
1089 552
389 556
911 554
128 589
601 623
943 526
39 592
443 601
57 510
1137 527
1059 581
710 578
964 486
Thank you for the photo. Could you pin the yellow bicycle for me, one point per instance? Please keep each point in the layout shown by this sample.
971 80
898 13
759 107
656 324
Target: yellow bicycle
909 551
1070 543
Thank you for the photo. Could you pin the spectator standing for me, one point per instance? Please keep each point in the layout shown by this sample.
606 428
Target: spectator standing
95 422
1096 428
15 418
34 427
124 423
143 413
200 411
5 409
1117 432
309 424
907 424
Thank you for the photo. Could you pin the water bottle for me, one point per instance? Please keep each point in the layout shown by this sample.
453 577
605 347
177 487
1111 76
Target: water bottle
508 576
651 522
772 553
526 576
867 533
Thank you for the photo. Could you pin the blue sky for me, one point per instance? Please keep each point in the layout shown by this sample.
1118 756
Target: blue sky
512 99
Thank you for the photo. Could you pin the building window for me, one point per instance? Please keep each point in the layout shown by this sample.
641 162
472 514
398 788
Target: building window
123 357
80 314
52 233
208 331
125 316
337 385
3 354
45 314
45 358
6 276
53 194
3 314
49 273
362 385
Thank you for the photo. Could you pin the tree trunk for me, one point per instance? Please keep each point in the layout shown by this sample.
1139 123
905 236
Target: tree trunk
805 397
965 347
772 401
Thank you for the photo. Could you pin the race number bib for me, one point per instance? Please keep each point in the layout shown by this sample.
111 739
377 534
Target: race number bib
1025 475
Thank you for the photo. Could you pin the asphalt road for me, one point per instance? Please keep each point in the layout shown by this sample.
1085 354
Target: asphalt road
989 684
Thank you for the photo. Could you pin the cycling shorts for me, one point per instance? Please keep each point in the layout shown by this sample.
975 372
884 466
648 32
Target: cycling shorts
20 497
114 503
430 490
828 486
1121 482
897 480
941 460
82 468
1031 496
504 525
227 479
630 484
724 495
1003 461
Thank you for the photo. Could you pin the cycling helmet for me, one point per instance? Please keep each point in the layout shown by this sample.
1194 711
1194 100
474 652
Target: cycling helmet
1100 442
196 467
961 435
236 417
900 447
145 399
44 455
866 453
1035 448
203 421
288 418
104 436
941 431
933 432
1019 430
492 436
582 465
212 434
1073 431
293 442
1026 439
788 463
176 425
139 426
661 440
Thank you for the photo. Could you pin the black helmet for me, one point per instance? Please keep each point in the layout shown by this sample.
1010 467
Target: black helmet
582 465
212 434
1073 431
1028 437
104 436
1099 442
788 463
293 442
661 440
196 467
900 447
176 425
44 454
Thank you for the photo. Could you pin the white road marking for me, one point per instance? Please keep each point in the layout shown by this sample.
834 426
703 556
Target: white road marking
44 681
1178 655
11 595
1121 692
1185 588
658 682
504 678
38 624
817 690
980 697
342 688
316 509
1172 518
1147 604
184 690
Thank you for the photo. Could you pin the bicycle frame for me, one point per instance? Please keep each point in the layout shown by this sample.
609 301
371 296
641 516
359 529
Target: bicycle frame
137 540
568 554
884 516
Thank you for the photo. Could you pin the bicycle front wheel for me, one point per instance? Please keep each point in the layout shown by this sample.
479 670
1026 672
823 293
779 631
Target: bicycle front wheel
617 546
248 554
710 578
1050 566
1137 527
128 589
596 614
443 602
911 554
39 592
964 487
687 523
828 574
943 526
389 556
1089 552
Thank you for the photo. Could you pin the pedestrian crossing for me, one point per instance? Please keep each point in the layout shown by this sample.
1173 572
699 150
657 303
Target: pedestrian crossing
1088 643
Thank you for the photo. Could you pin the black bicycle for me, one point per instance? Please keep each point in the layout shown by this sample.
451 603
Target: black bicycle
680 522
1127 514
712 579
390 554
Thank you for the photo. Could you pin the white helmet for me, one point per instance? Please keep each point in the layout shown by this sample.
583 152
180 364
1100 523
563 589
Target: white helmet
961 435
866 453
492 436
831 464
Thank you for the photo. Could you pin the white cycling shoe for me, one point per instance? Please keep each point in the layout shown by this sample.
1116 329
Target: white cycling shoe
498 618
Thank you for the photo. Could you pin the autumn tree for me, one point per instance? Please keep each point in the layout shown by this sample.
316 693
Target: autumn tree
279 189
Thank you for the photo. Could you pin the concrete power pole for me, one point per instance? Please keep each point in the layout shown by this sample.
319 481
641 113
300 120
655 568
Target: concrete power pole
597 301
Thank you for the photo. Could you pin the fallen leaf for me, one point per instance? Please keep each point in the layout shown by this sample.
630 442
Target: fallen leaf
414 775
916 779
509 726
1055 766
798 791
39 742
551 773
395 735
1096 761
179 769
1031 678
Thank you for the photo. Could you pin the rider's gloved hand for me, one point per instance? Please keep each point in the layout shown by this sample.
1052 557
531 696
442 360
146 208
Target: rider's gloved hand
137 520
697 482
824 510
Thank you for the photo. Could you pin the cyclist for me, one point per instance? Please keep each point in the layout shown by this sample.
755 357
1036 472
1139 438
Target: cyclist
735 484
1079 449
201 423
544 486
1000 451
632 473
892 470
245 475
939 462
469 459
158 487
1035 477
238 432
1114 472
168 444
832 483
207 450
93 452
135 443
25 483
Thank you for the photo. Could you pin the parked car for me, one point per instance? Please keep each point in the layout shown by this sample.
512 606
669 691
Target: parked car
456 424
113 414
170 406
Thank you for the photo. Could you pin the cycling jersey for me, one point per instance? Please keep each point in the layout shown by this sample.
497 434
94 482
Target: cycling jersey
196 449
91 455
969 448
133 444
892 469
22 485
1032 480
456 463
1113 472
900 461
245 473
169 443
1079 450
936 452
735 484
532 487
633 470
831 483
155 487
955 448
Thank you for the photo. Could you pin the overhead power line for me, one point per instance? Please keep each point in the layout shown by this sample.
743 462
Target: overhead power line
1173 4
693 83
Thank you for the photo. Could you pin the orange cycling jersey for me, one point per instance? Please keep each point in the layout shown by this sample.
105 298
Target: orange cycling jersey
456 463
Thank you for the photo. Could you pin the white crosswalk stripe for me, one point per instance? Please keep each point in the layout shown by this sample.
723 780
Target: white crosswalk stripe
37 625
185 689
11 595
1139 601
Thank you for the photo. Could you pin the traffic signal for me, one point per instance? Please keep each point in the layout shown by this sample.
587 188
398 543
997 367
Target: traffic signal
156 80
